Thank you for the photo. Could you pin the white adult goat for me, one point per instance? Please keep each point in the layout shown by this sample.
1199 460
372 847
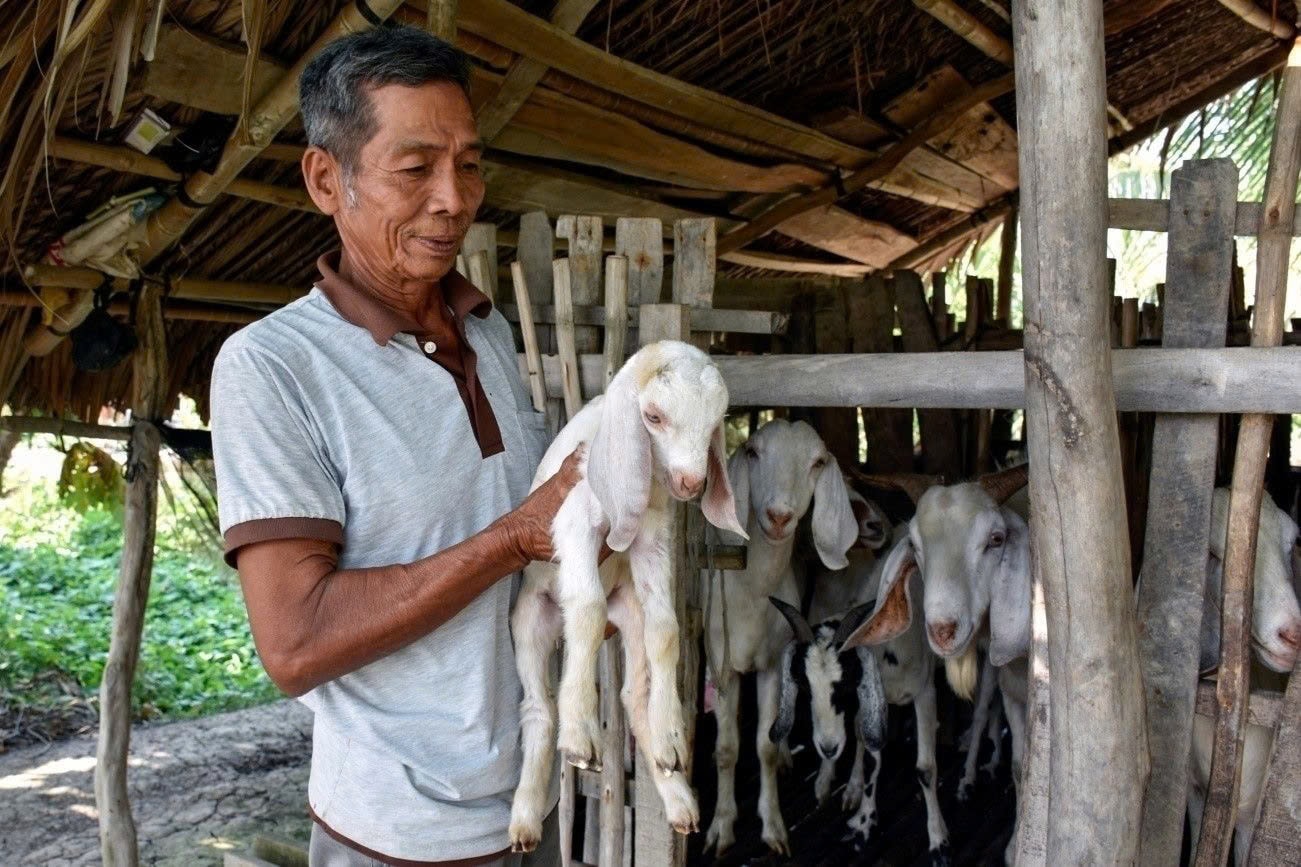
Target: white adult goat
775 475
1275 637
656 434
905 670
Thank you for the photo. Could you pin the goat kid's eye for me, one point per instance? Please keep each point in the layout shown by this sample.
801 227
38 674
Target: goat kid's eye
653 419
996 539
819 464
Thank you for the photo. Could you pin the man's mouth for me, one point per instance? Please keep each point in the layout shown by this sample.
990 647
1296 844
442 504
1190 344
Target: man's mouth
442 246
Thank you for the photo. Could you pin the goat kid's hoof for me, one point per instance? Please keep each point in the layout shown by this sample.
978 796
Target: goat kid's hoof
524 839
580 747
852 797
964 791
779 844
719 837
669 753
940 857
860 826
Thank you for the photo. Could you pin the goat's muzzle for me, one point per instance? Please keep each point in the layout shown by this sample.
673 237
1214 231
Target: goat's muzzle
830 750
942 634
686 486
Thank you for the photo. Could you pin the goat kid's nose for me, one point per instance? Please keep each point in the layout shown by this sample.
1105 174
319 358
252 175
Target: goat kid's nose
779 518
686 484
1291 636
942 632
828 749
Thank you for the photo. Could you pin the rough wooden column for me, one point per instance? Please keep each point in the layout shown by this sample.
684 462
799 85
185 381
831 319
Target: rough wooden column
1099 750
941 446
871 329
1006 265
657 844
1203 202
641 240
1274 841
694 263
117 831
585 237
838 425
1272 255
440 18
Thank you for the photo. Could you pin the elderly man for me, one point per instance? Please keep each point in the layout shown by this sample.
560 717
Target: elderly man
374 444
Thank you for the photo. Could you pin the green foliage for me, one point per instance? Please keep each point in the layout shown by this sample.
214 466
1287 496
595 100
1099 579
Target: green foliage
90 478
58 569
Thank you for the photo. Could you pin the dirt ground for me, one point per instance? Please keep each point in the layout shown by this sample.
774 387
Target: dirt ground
198 788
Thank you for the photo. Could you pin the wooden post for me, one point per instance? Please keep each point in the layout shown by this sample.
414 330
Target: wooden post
972 326
657 845
481 274
871 328
695 243
641 241
616 314
1099 750
1272 254
532 355
940 304
482 239
941 446
1203 196
585 237
117 831
1006 265
535 253
566 338
1274 841
838 425
440 20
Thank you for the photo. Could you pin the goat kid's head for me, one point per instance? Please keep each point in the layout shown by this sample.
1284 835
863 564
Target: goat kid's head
662 419
973 555
1275 614
781 469
836 684
873 525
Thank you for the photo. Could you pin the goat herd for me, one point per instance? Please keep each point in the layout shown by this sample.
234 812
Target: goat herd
951 584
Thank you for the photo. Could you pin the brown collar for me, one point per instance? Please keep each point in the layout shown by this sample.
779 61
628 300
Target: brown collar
364 310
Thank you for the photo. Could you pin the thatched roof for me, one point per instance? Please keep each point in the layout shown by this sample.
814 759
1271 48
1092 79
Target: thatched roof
780 97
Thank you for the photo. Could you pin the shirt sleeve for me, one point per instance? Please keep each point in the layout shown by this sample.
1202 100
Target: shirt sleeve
274 480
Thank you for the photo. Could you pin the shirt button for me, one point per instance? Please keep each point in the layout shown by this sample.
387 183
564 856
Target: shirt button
430 347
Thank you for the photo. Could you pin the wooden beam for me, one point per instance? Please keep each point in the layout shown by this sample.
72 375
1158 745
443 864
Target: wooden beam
190 288
525 73
1006 267
440 18
1079 534
1272 258
172 309
780 262
856 238
1248 11
1120 15
1274 840
1153 215
1184 449
702 319
956 234
1263 709
1230 380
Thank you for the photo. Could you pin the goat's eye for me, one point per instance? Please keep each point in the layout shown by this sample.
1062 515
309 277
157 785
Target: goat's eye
820 463
996 539
654 418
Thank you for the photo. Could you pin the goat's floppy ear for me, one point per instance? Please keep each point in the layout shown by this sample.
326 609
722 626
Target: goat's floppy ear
738 476
872 706
785 721
834 526
619 463
1009 598
719 504
893 600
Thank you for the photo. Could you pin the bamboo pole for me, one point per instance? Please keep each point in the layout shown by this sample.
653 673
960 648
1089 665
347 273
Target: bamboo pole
1248 478
1098 755
1248 11
188 288
117 831
529 332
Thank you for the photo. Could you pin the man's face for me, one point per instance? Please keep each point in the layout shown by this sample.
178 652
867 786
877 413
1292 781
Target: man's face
417 184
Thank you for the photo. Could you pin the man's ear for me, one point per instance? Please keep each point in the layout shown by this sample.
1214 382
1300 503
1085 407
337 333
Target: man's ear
323 177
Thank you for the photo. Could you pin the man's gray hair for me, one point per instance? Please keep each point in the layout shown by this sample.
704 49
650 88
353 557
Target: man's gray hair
333 93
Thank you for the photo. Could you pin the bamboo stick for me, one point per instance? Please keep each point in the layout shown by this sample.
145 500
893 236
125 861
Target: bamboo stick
1248 11
528 330
565 338
969 27
1279 207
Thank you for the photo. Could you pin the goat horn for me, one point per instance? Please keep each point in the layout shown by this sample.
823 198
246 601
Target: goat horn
912 484
1005 483
800 626
851 621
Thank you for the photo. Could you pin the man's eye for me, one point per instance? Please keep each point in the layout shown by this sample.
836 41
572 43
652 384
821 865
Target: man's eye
470 168
413 170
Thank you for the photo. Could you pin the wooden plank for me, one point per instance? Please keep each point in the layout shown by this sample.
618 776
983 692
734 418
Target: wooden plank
480 271
1272 264
171 75
505 24
535 250
482 238
1184 448
1079 536
694 256
616 314
871 329
1274 841
1152 215
641 242
525 73
612 796
1264 708
117 829
795 265
528 331
834 229
585 235
515 187
728 321
941 445
566 340
1231 380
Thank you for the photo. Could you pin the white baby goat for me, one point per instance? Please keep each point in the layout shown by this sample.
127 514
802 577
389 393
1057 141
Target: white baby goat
656 434
774 475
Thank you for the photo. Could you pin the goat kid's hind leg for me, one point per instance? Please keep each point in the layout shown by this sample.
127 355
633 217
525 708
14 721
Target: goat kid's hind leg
727 747
774 828
652 576
936 831
995 736
535 624
680 806
975 734
582 599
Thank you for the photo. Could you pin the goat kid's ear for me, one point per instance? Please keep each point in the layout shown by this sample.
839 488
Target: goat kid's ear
834 527
799 626
894 603
872 706
619 462
785 720
1010 596
738 477
719 504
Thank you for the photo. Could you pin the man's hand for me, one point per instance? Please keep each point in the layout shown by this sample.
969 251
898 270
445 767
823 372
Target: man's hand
530 524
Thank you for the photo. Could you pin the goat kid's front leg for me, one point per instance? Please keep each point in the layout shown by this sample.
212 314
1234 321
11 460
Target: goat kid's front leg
826 777
652 574
680 806
852 796
864 819
995 736
774 828
975 734
927 721
582 599
535 625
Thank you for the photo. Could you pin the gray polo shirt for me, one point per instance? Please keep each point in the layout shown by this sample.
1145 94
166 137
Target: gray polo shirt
357 433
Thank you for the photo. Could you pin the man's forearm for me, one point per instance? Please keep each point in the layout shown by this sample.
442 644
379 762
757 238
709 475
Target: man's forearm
320 622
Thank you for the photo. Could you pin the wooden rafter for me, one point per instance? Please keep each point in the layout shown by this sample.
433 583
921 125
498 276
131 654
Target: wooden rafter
1248 11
